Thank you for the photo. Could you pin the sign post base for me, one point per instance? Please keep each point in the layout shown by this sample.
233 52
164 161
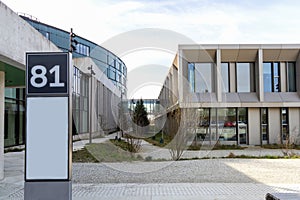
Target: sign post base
48 190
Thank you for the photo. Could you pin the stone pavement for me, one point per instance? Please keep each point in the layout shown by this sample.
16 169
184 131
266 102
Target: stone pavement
181 191
13 184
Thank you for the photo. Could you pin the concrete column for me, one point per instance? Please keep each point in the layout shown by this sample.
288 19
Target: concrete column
232 75
294 119
2 98
260 74
254 126
219 80
274 125
298 75
283 85
180 76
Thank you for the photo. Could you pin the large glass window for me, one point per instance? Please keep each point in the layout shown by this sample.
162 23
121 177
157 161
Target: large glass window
245 77
203 77
203 127
271 77
284 124
228 117
291 77
191 76
224 124
14 117
225 76
242 125
264 124
80 101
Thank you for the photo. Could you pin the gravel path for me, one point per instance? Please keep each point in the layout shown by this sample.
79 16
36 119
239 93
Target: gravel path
281 171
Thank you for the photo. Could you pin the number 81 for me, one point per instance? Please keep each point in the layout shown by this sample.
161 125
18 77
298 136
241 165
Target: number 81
43 77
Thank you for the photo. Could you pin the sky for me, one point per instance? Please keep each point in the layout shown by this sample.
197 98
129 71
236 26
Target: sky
199 21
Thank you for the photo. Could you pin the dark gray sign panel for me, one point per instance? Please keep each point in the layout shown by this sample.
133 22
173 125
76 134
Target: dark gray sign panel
47 74
48 154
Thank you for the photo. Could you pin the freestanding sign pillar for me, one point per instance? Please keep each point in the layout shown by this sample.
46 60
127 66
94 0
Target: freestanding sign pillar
48 158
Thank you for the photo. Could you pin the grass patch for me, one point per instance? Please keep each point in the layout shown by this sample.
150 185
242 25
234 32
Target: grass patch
156 140
120 143
232 155
216 147
280 146
108 152
83 156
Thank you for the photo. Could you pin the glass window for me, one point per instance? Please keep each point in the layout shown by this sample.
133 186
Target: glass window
191 76
284 123
14 117
47 35
228 117
267 77
291 77
276 77
82 49
10 92
225 76
264 124
203 77
242 125
271 77
112 73
244 77
203 125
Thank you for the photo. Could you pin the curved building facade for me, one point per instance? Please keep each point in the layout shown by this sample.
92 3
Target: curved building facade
106 61
94 99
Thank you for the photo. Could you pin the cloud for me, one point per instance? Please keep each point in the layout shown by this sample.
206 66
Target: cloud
204 21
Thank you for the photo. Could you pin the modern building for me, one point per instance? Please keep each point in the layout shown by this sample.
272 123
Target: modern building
99 81
235 93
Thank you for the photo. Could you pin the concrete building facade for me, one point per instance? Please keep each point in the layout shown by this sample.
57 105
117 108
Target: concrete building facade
236 94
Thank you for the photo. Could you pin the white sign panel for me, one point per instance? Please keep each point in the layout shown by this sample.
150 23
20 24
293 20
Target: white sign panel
47 138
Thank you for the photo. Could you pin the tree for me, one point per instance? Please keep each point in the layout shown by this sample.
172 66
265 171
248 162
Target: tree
140 115
140 127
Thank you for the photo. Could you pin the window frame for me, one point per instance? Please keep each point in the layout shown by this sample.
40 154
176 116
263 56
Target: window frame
273 76
288 77
266 125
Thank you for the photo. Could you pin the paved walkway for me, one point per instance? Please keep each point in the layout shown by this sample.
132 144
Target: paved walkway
182 191
12 186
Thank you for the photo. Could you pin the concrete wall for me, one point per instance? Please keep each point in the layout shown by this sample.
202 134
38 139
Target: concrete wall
254 126
274 125
283 85
294 121
18 37
232 75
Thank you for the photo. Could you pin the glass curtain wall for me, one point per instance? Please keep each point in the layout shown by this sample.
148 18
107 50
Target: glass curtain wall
224 124
80 101
14 117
